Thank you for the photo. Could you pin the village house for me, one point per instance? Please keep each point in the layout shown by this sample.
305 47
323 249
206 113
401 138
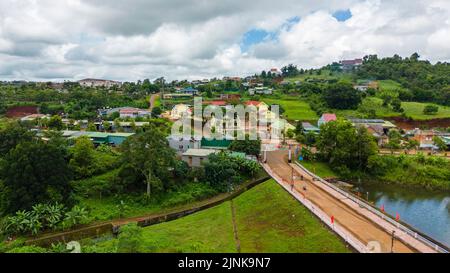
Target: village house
325 119
98 138
275 72
176 95
260 91
195 157
188 91
34 117
349 65
99 83
377 127
129 112
309 128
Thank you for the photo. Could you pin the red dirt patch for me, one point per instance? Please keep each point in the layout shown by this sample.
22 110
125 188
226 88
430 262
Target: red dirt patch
21 111
407 124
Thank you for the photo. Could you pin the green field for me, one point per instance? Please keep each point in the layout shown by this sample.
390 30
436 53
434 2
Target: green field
267 219
319 168
413 110
389 85
325 75
296 109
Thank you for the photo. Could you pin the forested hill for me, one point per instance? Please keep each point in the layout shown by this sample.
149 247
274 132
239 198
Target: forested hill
424 81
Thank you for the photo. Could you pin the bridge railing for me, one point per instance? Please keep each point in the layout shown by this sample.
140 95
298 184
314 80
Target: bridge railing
363 204
341 231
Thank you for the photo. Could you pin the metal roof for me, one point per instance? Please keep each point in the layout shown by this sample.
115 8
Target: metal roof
200 152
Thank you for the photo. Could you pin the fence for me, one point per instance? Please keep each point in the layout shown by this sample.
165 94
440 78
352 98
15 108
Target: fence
363 204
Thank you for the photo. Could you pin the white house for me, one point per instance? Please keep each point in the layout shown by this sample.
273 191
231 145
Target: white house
99 83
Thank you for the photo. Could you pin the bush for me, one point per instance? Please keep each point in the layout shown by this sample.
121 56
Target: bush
430 110
98 186
130 239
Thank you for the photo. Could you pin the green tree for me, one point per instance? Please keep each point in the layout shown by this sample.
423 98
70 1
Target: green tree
395 139
13 134
156 111
440 143
430 110
341 144
56 123
397 106
221 172
342 95
35 172
149 155
83 158
299 130
249 147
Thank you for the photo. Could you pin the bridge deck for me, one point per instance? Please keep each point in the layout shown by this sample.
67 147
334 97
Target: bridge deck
358 222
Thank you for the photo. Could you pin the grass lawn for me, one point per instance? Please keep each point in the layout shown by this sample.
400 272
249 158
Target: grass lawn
412 109
296 109
158 101
389 85
415 110
268 219
319 168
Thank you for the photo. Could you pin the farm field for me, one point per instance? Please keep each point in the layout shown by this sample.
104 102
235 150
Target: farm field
296 109
267 219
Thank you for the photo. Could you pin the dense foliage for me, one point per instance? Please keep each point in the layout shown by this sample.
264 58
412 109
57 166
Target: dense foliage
249 147
420 170
344 147
34 172
223 171
427 82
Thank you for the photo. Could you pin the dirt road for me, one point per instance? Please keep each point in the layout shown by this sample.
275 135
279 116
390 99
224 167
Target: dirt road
152 101
360 226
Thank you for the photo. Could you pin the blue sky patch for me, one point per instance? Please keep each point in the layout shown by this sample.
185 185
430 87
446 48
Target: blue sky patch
342 15
256 36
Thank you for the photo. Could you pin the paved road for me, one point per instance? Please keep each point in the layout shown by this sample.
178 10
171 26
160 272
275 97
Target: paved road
351 219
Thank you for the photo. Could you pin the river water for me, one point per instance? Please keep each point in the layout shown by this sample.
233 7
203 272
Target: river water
426 211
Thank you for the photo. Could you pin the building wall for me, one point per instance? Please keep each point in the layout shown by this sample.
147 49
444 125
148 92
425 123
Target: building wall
194 161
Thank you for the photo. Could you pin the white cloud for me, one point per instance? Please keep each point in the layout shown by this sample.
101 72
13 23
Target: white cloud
130 40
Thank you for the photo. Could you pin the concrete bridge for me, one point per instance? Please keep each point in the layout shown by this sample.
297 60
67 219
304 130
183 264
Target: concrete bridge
363 227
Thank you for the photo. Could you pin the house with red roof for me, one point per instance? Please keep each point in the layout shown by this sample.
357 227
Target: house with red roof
255 103
326 118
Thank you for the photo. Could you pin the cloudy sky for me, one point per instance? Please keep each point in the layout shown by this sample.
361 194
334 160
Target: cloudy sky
192 39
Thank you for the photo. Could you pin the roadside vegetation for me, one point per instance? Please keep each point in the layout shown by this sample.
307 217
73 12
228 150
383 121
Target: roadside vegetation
350 154
261 229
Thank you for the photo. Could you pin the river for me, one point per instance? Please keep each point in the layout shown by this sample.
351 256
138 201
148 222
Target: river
426 211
